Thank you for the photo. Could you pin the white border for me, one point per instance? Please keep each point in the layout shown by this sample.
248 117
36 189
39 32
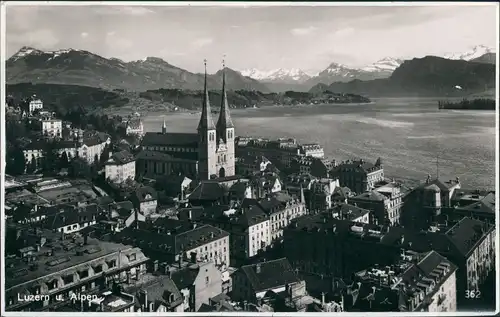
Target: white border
233 4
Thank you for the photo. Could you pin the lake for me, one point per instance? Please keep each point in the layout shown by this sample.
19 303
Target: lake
409 134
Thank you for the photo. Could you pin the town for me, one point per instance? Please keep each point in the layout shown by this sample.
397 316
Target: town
102 216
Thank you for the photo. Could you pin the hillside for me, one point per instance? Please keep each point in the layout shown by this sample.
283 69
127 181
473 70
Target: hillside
67 98
488 58
428 76
78 67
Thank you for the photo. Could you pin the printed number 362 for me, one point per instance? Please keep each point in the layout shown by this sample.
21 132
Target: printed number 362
472 294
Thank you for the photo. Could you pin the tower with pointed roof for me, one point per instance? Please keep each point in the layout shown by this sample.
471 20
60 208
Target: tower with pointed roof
207 139
164 127
225 135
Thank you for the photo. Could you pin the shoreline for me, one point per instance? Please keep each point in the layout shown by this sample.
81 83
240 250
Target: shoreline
123 111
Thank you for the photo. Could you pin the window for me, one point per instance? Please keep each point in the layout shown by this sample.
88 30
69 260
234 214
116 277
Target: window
98 269
207 280
83 274
132 257
68 279
111 264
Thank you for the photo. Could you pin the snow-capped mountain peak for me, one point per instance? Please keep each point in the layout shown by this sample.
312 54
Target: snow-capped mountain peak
474 52
26 50
386 64
280 74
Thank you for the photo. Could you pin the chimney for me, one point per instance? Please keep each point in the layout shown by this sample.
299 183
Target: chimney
257 268
136 215
245 305
143 298
155 266
85 238
181 259
323 299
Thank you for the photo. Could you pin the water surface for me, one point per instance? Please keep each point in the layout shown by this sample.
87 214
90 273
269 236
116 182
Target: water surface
408 134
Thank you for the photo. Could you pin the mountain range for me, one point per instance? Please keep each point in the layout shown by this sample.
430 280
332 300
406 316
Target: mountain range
284 79
79 67
427 76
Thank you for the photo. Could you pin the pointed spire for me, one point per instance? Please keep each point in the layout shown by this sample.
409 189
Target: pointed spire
164 127
224 121
206 121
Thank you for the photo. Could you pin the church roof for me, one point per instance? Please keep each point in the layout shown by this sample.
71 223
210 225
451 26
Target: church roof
224 121
206 121
160 139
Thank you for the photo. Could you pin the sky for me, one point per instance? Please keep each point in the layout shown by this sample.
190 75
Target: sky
306 37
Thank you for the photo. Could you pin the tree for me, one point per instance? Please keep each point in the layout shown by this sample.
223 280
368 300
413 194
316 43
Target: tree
104 155
79 168
15 162
64 160
50 158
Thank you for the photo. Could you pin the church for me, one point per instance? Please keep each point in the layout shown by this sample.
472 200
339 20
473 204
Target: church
207 154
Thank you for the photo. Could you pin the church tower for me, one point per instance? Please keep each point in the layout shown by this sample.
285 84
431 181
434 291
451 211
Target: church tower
164 127
207 140
225 133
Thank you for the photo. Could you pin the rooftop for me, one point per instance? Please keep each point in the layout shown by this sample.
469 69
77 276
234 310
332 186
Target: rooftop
55 256
159 156
460 240
172 139
271 274
325 223
370 196
208 191
120 158
349 212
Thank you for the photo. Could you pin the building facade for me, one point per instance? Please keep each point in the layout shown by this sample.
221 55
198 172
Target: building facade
359 176
56 276
212 147
51 127
120 167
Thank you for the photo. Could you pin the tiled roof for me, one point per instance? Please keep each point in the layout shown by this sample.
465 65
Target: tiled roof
122 157
371 195
185 277
197 237
159 156
174 139
268 275
360 166
160 290
459 240
70 217
142 192
349 212
465 234
208 191
485 205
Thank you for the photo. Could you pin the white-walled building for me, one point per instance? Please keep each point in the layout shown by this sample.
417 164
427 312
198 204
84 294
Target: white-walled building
145 200
35 104
51 127
120 167
134 126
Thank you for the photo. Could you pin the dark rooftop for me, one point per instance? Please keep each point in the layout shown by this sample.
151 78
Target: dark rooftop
207 191
159 156
122 157
268 275
56 256
174 139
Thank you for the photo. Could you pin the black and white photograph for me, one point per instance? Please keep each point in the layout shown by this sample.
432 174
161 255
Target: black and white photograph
232 158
